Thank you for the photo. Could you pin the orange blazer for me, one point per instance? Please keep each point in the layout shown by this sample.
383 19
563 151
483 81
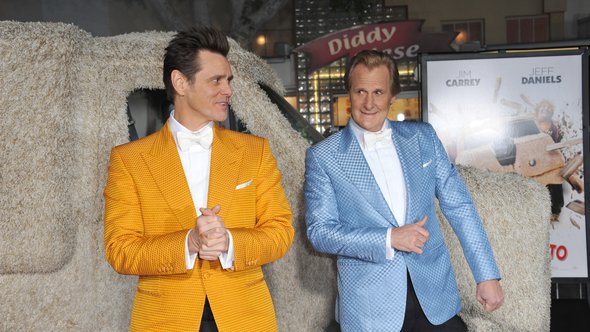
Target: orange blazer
149 209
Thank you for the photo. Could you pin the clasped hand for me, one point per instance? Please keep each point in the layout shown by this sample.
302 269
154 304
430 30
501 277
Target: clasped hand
410 237
209 237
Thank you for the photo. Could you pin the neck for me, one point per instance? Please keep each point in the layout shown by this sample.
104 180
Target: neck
189 121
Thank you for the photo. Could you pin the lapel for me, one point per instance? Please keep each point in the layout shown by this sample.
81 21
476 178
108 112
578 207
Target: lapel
350 157
165 166
407 145
226 158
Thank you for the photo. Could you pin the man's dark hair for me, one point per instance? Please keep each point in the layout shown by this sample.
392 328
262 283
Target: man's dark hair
183 50
372 59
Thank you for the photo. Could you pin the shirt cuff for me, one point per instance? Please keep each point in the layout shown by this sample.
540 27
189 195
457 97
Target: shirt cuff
189 259
227 259
389 251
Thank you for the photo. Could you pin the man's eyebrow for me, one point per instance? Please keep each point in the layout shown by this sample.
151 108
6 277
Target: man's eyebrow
217 77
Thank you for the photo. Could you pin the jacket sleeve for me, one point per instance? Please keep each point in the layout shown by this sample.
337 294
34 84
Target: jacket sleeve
273 233
128 250
458 208
325 230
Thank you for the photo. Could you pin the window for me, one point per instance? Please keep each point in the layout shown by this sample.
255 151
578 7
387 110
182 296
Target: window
469 30
584 28
527 29
148 111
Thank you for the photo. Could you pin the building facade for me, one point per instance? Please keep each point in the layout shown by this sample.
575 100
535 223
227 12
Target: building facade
319 95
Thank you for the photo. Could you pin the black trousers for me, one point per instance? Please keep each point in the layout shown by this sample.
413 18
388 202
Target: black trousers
208 321
415 320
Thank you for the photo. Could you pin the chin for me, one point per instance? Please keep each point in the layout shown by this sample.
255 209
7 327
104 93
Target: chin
371 126
221 116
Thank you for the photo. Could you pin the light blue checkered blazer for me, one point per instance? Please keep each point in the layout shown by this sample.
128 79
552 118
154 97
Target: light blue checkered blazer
347 216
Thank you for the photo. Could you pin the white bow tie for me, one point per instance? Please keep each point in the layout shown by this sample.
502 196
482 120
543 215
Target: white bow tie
204 138
371 138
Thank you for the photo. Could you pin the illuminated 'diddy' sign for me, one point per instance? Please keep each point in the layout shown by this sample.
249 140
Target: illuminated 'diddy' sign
401 39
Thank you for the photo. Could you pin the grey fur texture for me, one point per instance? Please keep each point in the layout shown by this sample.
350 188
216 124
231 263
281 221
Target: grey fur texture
63 99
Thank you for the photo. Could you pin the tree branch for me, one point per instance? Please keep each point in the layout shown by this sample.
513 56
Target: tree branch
266 12
237 8
245 26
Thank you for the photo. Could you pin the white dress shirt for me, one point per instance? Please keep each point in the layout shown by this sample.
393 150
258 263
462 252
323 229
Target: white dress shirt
387 170
196 163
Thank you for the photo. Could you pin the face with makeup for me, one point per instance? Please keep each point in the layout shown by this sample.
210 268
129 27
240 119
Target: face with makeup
205 96
370 96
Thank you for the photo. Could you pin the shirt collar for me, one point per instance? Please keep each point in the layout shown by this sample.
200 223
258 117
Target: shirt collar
358 131
175 127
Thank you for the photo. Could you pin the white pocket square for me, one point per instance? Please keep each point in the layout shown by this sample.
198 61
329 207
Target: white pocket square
426 164
243 185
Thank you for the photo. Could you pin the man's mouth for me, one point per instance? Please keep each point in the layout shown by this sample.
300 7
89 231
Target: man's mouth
369 113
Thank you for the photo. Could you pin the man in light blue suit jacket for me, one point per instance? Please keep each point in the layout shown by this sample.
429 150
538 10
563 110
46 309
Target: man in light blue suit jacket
370 199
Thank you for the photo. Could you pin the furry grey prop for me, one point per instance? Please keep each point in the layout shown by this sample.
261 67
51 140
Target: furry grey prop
37 140
515 211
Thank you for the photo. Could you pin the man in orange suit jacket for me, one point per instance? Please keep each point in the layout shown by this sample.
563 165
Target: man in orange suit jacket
195 210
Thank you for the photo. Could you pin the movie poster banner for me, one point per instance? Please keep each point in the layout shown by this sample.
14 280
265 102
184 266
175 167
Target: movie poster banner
522 114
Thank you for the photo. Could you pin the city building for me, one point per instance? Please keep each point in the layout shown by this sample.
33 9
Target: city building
320 95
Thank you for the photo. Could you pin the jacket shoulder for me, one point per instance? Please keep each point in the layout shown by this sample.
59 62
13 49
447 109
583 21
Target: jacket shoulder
411 125
411 128
242 139
143 144
330 143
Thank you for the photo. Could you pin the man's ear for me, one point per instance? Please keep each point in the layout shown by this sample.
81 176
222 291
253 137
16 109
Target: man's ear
392 100
179 82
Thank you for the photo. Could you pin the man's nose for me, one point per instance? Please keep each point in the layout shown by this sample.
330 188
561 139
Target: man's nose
369 102
226 90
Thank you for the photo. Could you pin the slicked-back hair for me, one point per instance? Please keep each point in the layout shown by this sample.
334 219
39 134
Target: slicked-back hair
372 59
183 50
